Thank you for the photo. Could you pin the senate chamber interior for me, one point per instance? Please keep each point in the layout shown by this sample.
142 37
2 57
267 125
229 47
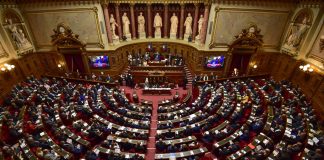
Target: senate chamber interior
168 79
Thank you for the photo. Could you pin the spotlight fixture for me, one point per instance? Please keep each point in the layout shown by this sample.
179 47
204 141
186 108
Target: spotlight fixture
7 67
306 68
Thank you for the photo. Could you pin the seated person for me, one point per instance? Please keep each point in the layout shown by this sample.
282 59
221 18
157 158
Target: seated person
176 97
135 97
235 72
160 145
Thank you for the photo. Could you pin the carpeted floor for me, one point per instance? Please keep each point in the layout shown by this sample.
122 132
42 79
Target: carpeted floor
154 98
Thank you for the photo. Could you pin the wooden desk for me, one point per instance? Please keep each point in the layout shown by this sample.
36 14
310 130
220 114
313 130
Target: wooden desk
156 63
234 78
181 154
107 151
74 136
165 102
124 140
28 153
145 102
181 140
84 81
152 68
118 127
256 141
60 151
159 91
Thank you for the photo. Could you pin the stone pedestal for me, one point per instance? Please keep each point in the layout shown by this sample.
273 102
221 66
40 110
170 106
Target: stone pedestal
289 49
129 37
197 40
186 37
115 40
157 35
142 35
173 36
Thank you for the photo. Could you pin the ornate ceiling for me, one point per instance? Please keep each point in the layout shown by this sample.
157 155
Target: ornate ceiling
164 1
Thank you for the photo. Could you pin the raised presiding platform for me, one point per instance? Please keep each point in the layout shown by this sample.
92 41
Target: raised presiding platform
157 91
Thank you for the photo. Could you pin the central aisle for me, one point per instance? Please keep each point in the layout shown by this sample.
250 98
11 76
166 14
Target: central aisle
154 118
151 141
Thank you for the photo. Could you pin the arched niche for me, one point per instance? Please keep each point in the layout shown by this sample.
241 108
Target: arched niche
16 31
297 31
242 50
73 51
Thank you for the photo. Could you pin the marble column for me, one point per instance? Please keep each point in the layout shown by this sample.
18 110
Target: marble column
107 22
181 21
194 30
166 21
133 20
149 21
205 24
120 34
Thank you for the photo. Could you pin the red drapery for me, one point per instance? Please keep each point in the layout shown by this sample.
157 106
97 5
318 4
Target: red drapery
74 62
240 62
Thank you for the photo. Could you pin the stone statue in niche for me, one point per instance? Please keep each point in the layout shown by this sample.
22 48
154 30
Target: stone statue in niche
126 24
18 36
187 24
113 26
157 25
141 26
321 45
296 33
200 24
174 26
3 53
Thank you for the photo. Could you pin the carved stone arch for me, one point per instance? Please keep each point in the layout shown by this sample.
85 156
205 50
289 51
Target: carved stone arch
68 45
249 38
243 50
297 32
298 18
11 13
16 31
64 38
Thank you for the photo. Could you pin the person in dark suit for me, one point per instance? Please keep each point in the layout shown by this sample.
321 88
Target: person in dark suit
160 145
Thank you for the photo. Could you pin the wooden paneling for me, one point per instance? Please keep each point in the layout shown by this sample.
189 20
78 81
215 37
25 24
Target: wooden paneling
312 84
36 64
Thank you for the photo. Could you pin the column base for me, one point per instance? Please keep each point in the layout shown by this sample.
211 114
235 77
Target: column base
186 37
142 35
173 36
128 37
116 40
197 40
157 35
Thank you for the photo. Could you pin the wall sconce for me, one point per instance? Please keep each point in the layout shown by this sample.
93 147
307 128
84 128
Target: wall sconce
7 67
59 66
255 66
306 68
